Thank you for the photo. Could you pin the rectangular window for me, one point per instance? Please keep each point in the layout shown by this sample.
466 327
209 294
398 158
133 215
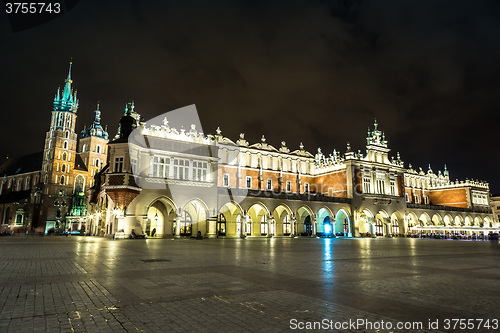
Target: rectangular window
269 184
380 185
118 164
160 167
407 197
417 198
181 169
393 187
288 186
306 187
225 180
200 171
366 184
133 164
426 199
249 182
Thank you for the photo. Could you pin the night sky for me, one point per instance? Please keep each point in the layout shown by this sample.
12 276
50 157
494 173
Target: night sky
319 72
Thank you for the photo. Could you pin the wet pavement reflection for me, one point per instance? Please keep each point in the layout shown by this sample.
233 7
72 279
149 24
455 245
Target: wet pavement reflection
257 281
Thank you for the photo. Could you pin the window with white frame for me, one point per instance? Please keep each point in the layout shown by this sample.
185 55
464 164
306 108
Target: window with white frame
479 198
426 199
288 186
417 198
269 184
160 167
306 187
380 184
407 197
200 171
133 164
225 180
366 183
393 187
249 182
181 168
118 167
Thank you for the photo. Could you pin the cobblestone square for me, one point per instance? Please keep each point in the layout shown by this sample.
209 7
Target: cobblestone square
91 284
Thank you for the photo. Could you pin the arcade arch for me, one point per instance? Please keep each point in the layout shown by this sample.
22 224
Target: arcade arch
366 222
229 220
282 217
382 223
305 220
397 226
257 220
160 221
324 222
193 219
343 224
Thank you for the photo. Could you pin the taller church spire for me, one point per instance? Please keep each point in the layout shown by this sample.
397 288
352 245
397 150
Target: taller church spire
67 101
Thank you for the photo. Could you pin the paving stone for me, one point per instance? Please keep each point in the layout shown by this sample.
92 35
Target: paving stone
89 284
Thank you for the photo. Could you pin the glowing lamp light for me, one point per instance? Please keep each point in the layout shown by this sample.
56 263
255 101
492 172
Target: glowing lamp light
328 228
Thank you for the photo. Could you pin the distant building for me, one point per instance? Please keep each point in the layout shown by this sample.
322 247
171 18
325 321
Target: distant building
46 190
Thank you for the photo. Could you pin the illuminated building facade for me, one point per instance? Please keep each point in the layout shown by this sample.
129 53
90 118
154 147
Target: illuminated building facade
183 183
46 190
176 182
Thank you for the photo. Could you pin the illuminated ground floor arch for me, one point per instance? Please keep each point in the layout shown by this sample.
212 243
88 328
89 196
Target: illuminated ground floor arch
158 215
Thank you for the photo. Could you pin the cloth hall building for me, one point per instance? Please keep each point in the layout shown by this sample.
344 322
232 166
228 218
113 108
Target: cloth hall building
171 182
166 178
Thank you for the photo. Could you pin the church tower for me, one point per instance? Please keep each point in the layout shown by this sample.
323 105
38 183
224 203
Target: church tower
59 155
93 147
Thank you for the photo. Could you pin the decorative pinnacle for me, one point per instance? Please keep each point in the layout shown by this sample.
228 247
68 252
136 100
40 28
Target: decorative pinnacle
301 146
375 124
218 131
69 72
263 139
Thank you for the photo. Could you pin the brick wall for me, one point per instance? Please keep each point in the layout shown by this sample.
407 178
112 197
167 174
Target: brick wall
449 197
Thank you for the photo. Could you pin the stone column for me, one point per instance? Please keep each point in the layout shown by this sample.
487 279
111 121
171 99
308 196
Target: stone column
271 223
212 224
178 226
313 221
292 227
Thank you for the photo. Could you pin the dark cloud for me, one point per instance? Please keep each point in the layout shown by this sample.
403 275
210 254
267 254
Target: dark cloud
317 72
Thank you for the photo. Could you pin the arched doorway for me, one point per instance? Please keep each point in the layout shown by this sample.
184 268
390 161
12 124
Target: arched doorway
324 225
160 221
382 224
412 223
282 220
343 224
230 220
366 223
193 219
258 224
304 223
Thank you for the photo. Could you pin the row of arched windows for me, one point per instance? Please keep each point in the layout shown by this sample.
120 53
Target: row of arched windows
19 184
98 148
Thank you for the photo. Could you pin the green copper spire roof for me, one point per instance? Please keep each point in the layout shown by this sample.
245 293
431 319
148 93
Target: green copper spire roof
67 101
95 129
